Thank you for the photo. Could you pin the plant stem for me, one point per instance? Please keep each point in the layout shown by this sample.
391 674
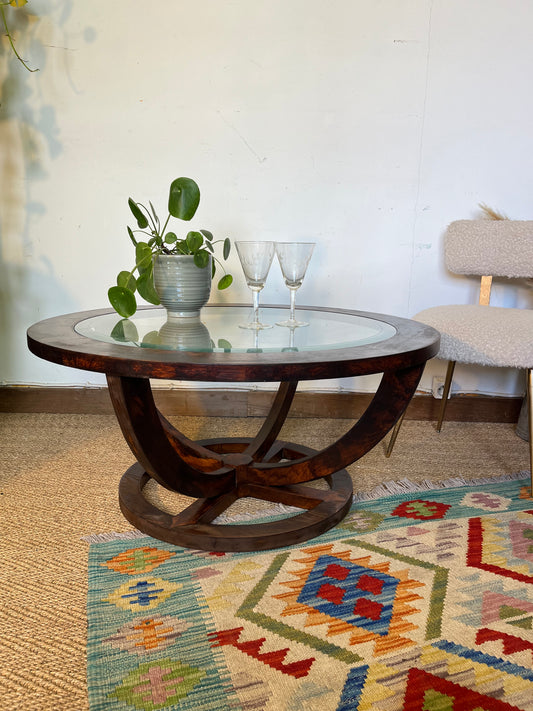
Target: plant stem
8 35
149 216
165 225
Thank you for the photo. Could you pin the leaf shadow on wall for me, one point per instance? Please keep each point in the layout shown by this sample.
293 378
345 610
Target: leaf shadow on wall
29 141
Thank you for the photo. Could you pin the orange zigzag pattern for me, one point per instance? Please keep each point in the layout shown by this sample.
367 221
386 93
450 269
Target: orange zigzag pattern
253 647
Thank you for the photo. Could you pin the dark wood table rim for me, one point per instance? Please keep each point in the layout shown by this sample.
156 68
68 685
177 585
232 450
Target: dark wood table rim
217 472
55 340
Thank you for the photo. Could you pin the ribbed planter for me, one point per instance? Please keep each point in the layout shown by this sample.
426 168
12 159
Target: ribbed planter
185 334
182 287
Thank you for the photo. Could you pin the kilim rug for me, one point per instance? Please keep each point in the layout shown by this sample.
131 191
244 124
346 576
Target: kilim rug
415 602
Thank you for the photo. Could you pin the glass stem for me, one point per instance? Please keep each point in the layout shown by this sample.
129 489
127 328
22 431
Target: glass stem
293 303
255 294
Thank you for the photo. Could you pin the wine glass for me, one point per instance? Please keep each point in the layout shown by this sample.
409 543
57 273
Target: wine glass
293 259
256 258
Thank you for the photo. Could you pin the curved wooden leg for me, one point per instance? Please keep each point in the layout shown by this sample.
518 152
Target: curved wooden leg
274 422
197 472
262 442
392 397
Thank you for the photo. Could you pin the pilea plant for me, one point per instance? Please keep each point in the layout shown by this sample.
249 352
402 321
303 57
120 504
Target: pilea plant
183 201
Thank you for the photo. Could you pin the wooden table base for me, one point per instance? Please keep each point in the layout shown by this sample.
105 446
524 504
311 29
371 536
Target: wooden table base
217 472
192 528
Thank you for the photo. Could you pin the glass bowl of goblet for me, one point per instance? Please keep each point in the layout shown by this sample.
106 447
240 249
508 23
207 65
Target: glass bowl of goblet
293 259
255 258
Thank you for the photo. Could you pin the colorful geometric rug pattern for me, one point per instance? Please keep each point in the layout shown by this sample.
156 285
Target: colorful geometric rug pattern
415 602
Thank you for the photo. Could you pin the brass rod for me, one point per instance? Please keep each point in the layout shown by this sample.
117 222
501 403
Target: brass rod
446 392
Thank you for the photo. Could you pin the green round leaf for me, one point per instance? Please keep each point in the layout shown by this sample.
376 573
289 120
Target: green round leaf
201 259
145 287
127 280
227 248
194 241
122 300
225 345
125 331
227 280
143 257
170 238
208 235
150 339
180 247
184 198
138 214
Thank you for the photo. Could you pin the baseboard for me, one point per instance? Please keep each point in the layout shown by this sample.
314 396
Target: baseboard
254 403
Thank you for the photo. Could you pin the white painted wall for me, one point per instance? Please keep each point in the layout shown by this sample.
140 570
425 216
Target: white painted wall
364 125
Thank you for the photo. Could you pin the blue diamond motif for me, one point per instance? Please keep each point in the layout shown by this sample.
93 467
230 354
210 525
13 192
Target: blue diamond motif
359 596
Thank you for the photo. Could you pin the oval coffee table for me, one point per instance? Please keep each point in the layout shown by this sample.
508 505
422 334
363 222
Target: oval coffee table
336 344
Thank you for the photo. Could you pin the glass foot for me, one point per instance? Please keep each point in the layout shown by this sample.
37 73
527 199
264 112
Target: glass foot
292 323
255 325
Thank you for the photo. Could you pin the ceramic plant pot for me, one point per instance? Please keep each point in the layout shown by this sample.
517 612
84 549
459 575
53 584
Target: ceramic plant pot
185 334
182 287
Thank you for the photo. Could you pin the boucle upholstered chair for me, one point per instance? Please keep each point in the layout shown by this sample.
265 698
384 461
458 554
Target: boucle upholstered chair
479 333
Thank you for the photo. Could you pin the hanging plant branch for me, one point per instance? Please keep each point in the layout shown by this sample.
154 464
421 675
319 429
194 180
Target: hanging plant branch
13 3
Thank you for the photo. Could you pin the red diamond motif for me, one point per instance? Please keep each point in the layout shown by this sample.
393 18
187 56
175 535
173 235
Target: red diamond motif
370 584
368 608
331 593
339 572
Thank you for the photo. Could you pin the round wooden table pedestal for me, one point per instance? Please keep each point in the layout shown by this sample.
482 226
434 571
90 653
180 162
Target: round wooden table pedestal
192 528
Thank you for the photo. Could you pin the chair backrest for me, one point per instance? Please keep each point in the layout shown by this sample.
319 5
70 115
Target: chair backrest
488 248
502 248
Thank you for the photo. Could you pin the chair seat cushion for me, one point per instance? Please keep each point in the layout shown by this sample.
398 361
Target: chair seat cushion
485 335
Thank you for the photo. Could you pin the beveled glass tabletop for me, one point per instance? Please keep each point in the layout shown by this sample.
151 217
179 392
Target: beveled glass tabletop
218 330
337 343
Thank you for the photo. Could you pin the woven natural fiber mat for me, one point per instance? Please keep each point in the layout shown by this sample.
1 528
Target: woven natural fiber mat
59 478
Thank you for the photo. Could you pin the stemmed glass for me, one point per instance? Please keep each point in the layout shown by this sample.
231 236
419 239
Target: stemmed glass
293 259
256 258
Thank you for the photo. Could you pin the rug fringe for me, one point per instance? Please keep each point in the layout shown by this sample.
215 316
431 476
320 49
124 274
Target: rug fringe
387 488
406 486
112 536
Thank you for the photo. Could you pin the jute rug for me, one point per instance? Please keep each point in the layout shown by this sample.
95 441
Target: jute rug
59 477
421 601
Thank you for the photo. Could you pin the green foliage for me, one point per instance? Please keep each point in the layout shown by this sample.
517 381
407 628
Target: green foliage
6 5
183 201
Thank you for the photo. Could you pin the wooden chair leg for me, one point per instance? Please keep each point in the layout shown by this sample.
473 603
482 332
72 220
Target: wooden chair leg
530 421
446 392
394 434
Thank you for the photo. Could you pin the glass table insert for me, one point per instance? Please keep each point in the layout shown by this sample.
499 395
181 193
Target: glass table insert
218 331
